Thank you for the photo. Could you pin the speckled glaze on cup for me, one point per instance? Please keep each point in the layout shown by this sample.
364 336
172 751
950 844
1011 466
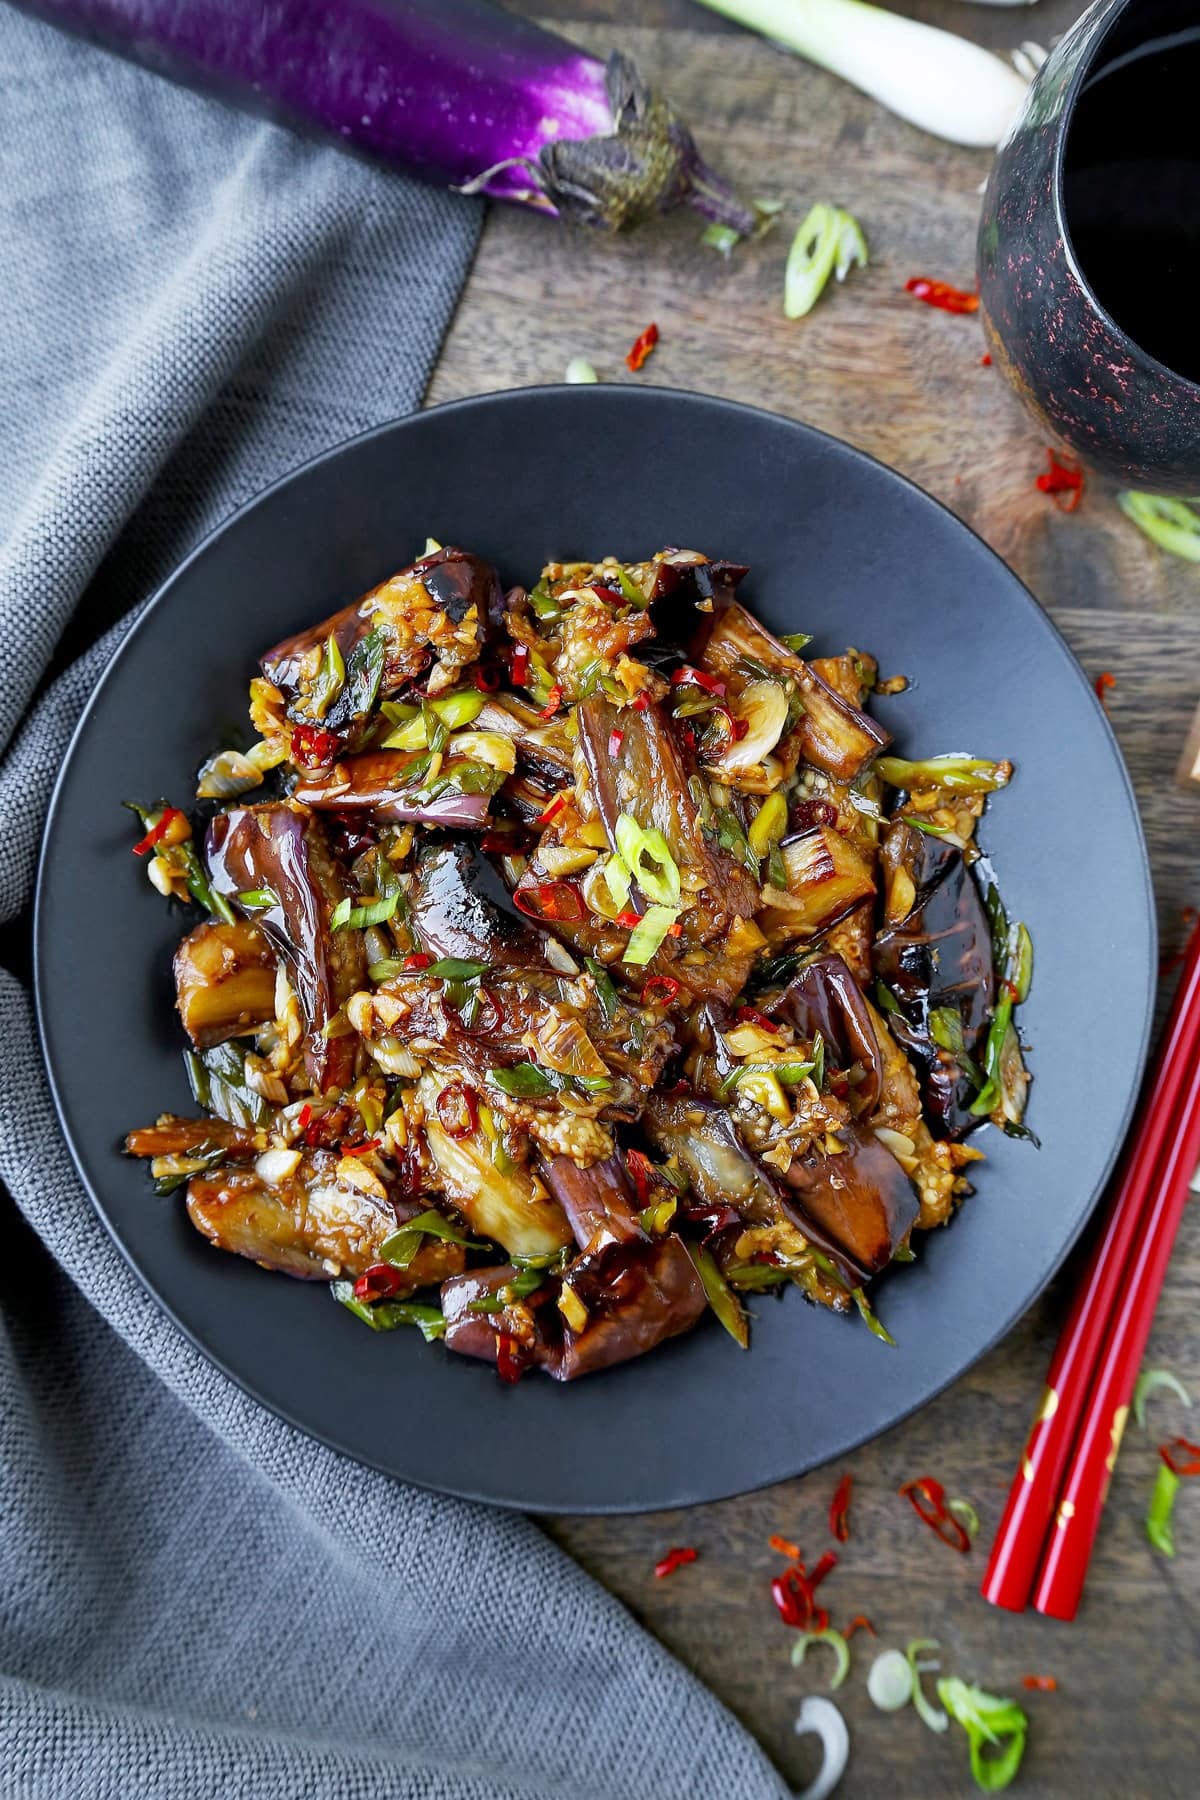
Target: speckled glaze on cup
1081 375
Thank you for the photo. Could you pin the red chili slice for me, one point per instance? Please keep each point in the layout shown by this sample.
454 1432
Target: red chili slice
519 667
362 1148
1180 1445
379 1282
660 990
641 348
839 1510
303 1116
825 1563
157 832
420 959
642 1170
928 1498
487 680
1061 477
313 748
941 294
510 1364
641 703
750 1015
785 1547
674 1559
549 900
457 1109
615 740
628 919
687 676
553 702
553 810
859 1622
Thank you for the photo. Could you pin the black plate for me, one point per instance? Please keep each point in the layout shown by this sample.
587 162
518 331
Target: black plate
838 546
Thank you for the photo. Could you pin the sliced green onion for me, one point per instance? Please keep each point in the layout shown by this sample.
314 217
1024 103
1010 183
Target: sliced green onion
431 548
926 1711
959 774
208 1159
790 1073
631 590
524 1081
946 1030
386 1315
456 968
1020 961
732 838
768 825
217 1078
258 897
721 237
376 912
451 712
837 1644
1171 524
330 677
580 373
606 993
361 679
965 1512
1162 1504
885 1000
851 247
400 1248
385 970
796 640
522 1285
1147 1382
810 260
890 1681
721 1296
199 886
617 881
870 1319
648 934
987 1719
647 856
937 831
818 1062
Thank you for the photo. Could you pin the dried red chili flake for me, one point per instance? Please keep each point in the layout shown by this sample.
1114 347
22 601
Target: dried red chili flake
985 361
641 703
785 1547
642 1170
675 1559
157 832
1039 1684
313 748
379 1282
1177 1447
660 990
810 813
351 832
553 810
304 1116
510 1364
928 1499
687 676
628 919
823 1566
713 1218
839 1510
1062 476
362 1148
549 900
1103 682
420 959
486 680
519 667
615 740
750 1015
553 702
641 348
941 294
327 1127
859 1622
457 1109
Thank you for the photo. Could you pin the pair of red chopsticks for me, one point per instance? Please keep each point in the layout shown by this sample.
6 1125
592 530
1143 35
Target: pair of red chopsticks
1054 1506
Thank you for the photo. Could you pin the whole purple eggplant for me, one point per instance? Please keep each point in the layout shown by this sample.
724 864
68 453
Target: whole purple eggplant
457 91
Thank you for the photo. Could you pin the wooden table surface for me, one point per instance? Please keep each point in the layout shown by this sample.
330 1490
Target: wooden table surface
905 383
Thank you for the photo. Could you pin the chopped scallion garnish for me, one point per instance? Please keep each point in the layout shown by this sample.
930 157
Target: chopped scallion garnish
375 912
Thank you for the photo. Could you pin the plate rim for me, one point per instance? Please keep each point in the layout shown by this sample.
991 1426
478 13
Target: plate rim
648 396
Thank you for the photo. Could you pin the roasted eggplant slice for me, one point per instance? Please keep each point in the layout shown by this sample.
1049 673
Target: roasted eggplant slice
827 877
599 1202
824 997
283 851
224 981
389 782
462 908
171 1136
861 1198
934 952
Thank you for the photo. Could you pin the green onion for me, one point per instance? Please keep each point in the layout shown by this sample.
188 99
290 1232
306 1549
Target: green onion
930 1715
217 1078
400 1248
997 918
732 838
721 237
1147 1382
885 1000
386 1315
959 774
790 1073
606 993
966 1514
385 970
1162 1504
648 934
818 1062
872 1323
524 1284
360 685
938 831
450 712
721 1296
828 243
946 1030
616 879
545 605
555 1260
199 886
437 731
837 1644
377 912
486 1303
167 1184
647 856
890 1681
455 968
330 677
524 1081
1020 962
768 825
631 590
579 372
987 1719
258 897
754 1277
1171 524
796 640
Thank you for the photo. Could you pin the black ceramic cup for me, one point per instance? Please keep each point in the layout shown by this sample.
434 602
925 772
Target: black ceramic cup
1089 244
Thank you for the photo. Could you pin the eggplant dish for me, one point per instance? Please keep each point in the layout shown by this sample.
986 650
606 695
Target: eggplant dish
577 959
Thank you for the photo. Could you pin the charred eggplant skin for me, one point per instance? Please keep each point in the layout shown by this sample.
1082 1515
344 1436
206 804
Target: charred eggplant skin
284 850
462 908
861 1198
825 997
599 1202
938 955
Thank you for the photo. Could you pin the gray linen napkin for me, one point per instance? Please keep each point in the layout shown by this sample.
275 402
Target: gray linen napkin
195 1600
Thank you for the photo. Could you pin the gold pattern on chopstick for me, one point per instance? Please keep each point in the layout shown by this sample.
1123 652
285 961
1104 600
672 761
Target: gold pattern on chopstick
1046 1410
1066 1511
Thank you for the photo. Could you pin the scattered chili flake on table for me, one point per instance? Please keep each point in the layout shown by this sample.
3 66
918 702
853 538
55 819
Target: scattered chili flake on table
928 1499
1102 683
839 1509
985 361
642 346
1039 1684
1180 1446
784 1546
859 1621
1062 476
674 1559
941 294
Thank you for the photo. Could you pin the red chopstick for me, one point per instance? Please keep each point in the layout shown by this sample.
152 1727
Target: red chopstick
1033 1500
1070 1544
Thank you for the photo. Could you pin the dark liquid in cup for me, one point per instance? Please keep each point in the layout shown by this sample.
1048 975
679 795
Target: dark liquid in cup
1131 186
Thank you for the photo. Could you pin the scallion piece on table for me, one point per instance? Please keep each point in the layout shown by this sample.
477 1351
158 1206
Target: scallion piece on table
1147 1382
1162 1504
829 242
837 1644
1171 524
990 1723
579 371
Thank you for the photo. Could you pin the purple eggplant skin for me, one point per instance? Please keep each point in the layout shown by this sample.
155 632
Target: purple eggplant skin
285 849
938 955
461 907
378 780
825 997
862 1199
636 1295
599 1202
456 91
455 580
